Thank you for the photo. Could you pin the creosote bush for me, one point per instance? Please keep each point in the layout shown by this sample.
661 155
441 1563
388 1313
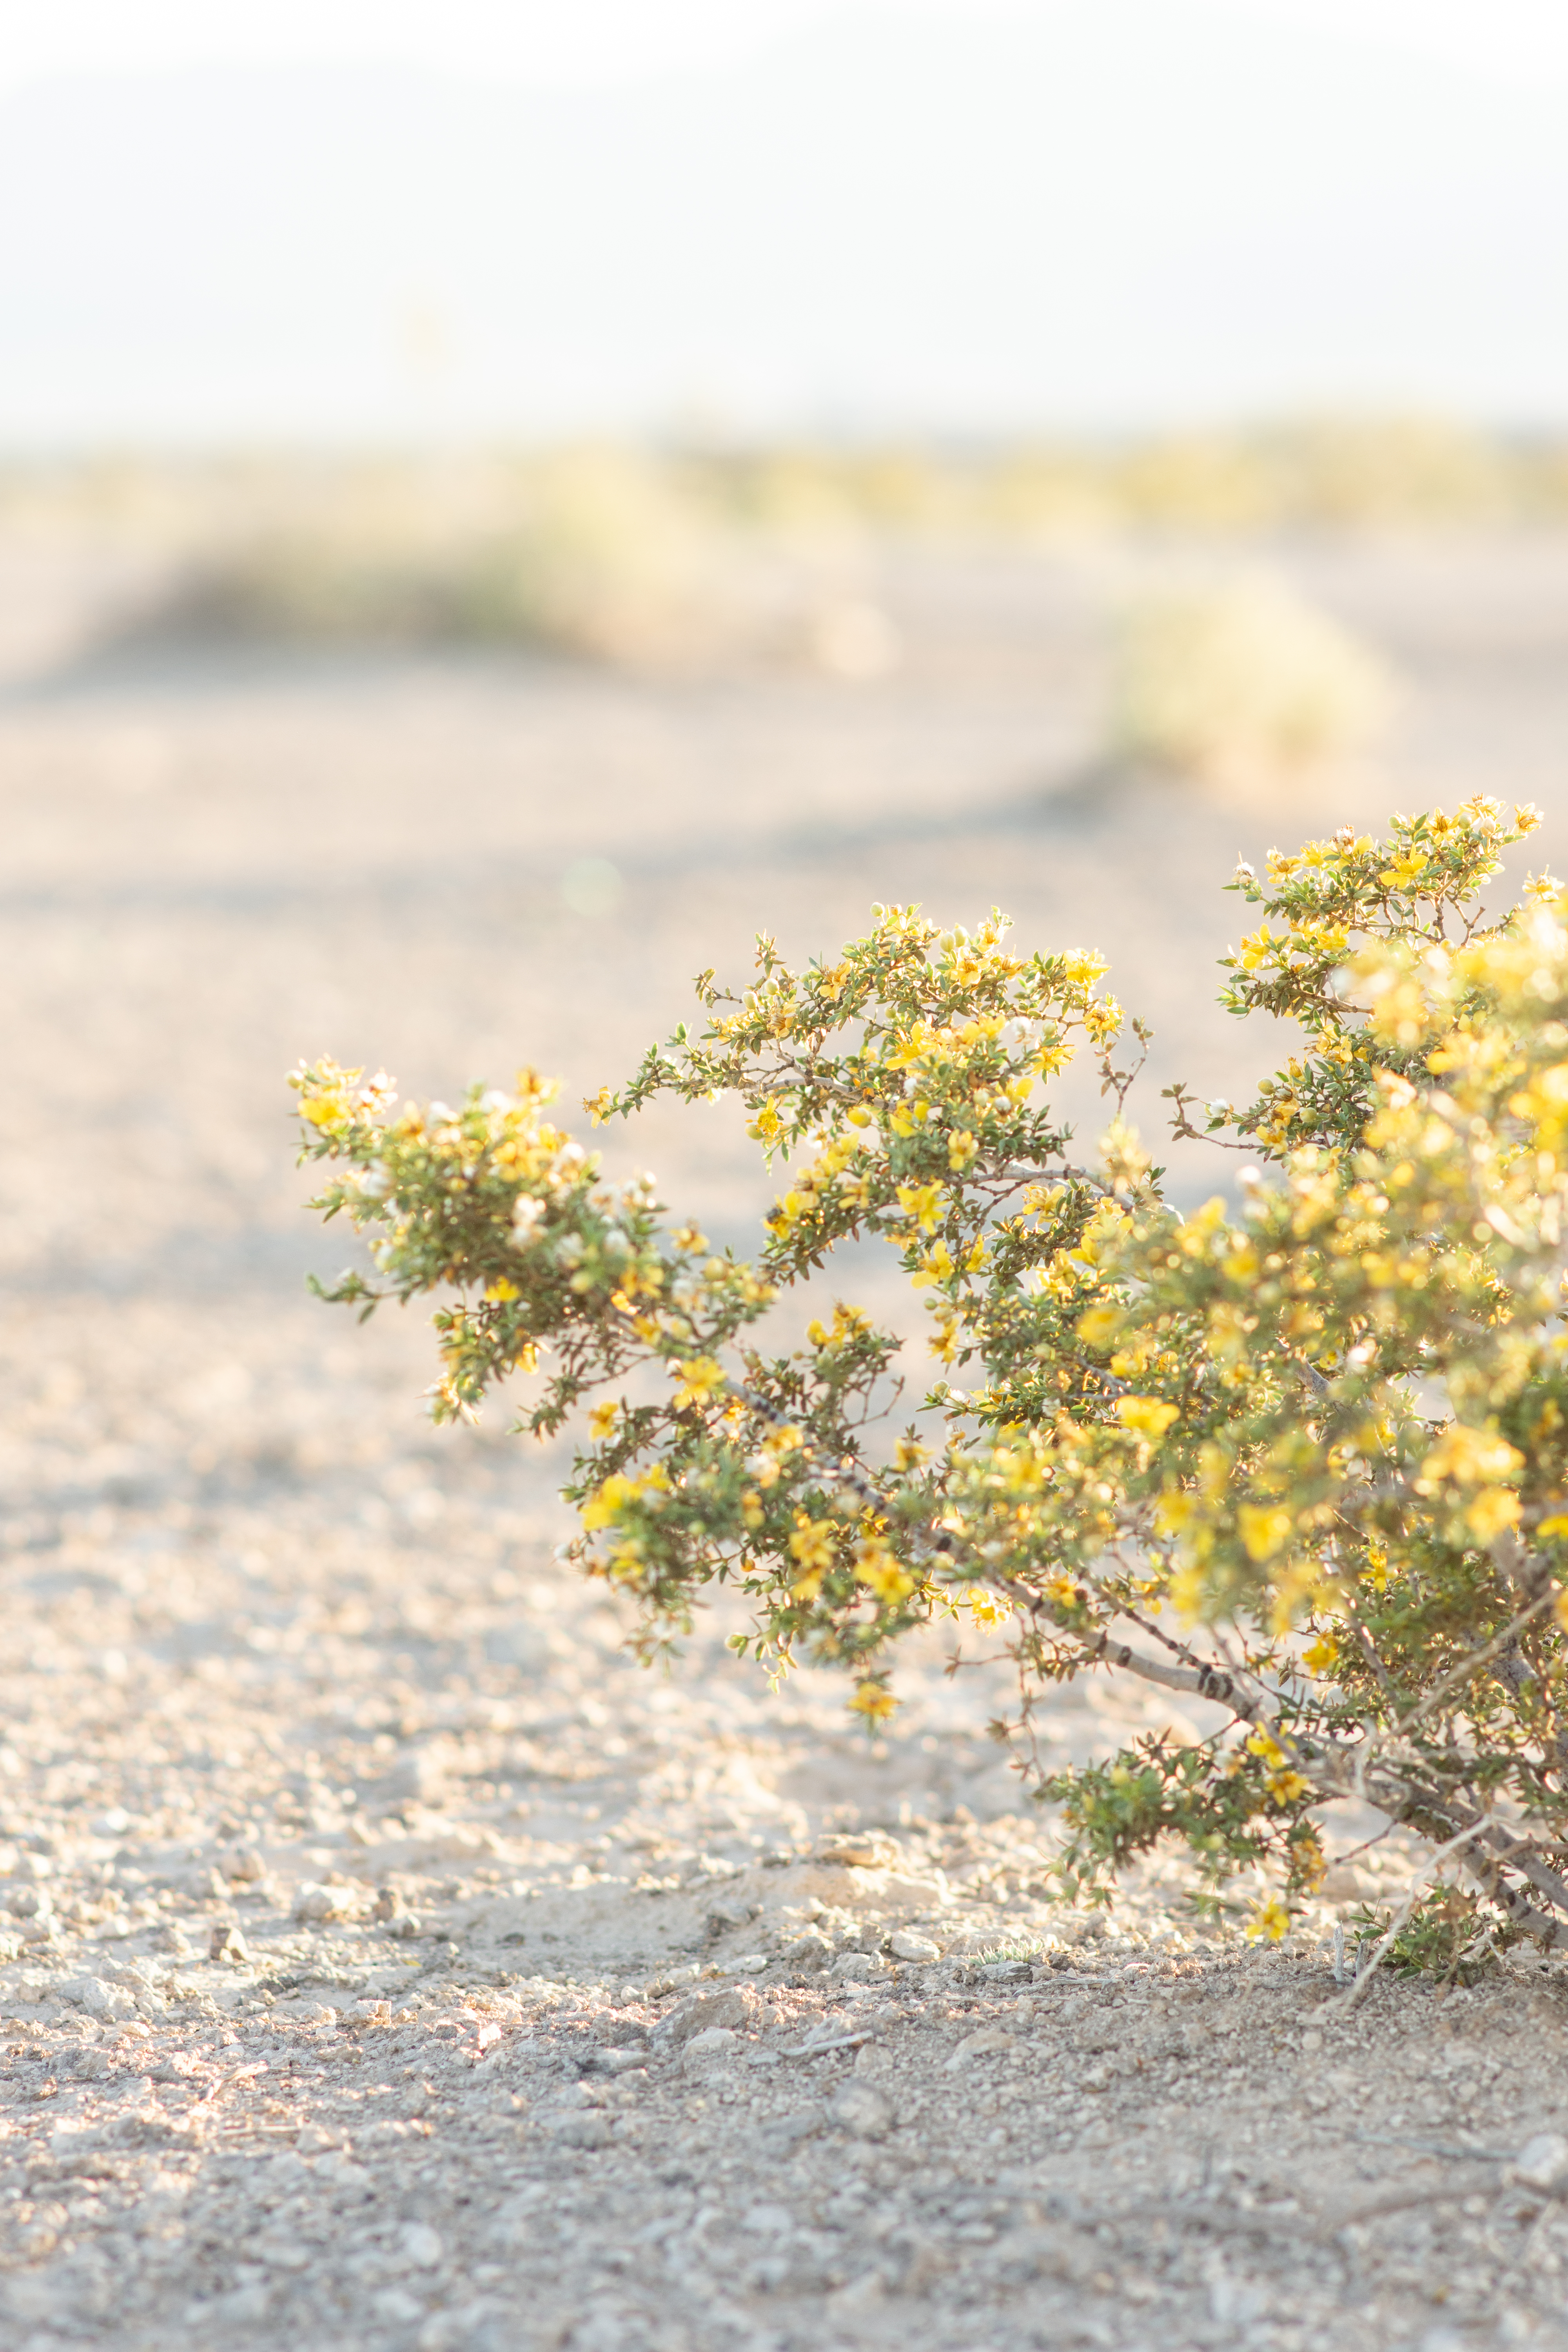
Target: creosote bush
1307 1461
1244 683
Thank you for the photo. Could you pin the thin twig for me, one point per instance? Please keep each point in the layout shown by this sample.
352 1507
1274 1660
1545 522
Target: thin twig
1474 1658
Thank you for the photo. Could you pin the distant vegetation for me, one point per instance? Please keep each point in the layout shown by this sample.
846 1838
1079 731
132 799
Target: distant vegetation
1243 683
681 557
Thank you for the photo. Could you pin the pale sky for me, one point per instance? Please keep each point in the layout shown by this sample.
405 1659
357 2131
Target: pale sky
255 220
546 39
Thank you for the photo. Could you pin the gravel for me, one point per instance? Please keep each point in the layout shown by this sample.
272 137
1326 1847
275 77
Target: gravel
387 1962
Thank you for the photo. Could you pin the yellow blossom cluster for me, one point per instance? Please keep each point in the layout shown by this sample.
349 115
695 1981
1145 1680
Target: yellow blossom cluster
1303 1455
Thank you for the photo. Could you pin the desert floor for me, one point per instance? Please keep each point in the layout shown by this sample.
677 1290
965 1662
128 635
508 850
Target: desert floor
387 1960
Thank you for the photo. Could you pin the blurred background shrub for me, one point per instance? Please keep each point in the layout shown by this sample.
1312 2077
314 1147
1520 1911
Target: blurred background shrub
1244 683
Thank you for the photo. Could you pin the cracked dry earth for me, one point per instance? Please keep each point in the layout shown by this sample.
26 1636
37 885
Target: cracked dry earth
387 1963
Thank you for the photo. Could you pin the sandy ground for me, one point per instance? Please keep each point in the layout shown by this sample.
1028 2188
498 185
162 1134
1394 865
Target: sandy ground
387 1962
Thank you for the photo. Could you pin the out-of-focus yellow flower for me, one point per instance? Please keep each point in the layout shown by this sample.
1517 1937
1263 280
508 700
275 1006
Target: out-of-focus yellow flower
811 1549
1173 1511
1148 1416
698 1377
881 1574
1493 1510
602 1418
1469 1455
602 1509
1265 1528
1270 1922
873 1702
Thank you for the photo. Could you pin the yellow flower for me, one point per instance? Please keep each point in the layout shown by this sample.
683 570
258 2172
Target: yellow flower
602 1418
881 1574
1149 1416
1493 1510
1286 1787
922 1202
1173 1511
1186 1590
599 1107
937 1267
1322 1656
1098 1325
502 1292
1271 1920
873 1702
602 1508
1470 1455
699 1377
961 1150
811 1546
1263 1530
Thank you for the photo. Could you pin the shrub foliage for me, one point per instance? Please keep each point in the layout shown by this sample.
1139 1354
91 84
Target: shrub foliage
1309 1461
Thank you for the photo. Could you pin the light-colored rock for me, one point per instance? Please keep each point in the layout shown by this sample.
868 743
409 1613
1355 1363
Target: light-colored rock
906 1944
855 1968
315 1902
986 2042
671 1979
714 2044
420 2244
590 2131
97 1998
862 1851
767 2220
397 2307
705 2011
1542 2163
862 2109
812 1950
